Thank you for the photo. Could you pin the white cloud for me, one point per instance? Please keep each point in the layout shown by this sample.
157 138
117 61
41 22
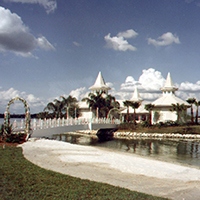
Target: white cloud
79 93
164 40
36 104
187 86
15 36
129 84
43 43
128 34
151 79
49 5
77 44
119 43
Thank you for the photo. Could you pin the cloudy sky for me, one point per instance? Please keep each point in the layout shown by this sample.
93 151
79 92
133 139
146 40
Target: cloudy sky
50 48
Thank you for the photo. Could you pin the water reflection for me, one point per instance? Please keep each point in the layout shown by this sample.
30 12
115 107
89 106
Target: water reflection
186 152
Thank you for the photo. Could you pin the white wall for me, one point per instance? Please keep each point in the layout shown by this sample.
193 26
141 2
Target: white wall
165 115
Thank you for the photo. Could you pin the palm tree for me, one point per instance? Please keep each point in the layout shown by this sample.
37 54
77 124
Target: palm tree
101 103
127 104
179 108
55 107
110 103
134 105
69 103
95 102
191 101
197 103
149 107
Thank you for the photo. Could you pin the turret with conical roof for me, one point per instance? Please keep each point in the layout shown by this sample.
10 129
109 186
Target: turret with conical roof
100 85
136 96
169 86
163 105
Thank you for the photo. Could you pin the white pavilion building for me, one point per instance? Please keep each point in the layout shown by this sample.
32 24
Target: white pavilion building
99 86
141 113
161 111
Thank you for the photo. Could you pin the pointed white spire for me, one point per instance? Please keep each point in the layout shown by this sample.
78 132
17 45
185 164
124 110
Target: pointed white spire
136 96
169 86
100 84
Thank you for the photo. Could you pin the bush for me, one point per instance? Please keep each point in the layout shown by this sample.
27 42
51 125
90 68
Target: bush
7 135
146 124
127 126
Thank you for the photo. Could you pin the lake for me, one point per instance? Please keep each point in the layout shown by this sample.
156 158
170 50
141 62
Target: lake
180 151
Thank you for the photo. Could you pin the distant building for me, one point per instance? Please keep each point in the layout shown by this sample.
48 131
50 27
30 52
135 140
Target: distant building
161 111
99 86
141 113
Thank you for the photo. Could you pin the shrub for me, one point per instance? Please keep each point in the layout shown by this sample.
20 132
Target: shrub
127 125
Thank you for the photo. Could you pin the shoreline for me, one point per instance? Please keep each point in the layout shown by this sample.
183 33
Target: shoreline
139 135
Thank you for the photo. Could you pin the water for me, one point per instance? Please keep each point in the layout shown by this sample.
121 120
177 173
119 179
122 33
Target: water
179 151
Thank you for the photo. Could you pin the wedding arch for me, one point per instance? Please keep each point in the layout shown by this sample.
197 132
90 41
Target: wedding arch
27 114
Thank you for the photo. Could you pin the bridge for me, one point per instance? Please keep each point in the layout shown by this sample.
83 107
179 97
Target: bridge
49 127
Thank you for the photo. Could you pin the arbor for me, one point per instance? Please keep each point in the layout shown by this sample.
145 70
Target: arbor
191 101
134 105
149 107
197 103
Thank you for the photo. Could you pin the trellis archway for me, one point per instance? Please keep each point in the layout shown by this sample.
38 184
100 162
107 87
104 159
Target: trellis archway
27 114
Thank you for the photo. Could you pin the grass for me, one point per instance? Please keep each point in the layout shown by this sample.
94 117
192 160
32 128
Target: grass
20 179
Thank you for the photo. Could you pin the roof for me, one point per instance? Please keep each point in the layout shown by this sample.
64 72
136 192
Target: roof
168 100
140 110
136 96
169 86
99 84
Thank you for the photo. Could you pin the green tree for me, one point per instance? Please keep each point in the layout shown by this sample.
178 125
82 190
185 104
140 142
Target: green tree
127 104
197 103
110 103
101 103
42 115
179 108
149 107
54 107
71 104
134 105
57 107
95 101
191 101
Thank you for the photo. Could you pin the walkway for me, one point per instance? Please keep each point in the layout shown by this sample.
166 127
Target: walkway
116 168
50 127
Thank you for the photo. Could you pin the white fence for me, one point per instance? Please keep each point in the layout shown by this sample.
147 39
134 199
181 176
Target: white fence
52 123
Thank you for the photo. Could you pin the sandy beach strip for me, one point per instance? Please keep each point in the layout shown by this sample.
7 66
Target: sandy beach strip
117 168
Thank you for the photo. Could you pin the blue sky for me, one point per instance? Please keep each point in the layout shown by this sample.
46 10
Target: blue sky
50 48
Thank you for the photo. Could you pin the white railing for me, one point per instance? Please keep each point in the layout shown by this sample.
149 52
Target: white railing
52 123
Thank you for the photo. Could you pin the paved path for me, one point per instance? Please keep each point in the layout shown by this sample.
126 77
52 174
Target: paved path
116 168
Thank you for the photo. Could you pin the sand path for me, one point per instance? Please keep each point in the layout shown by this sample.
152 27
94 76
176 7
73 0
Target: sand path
120 169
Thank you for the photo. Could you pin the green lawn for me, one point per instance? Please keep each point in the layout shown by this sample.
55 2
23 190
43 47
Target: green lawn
20 179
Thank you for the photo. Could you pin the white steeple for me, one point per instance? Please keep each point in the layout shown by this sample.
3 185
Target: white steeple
169 87
136 96
100 85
